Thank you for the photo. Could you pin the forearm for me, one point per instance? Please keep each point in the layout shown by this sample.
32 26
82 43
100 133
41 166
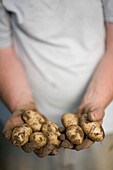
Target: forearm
100 89
14 88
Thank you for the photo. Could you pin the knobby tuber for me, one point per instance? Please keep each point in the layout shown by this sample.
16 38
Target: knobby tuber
46 150
20 134
39 138
93 130
52 133
67 144
33 119
74 132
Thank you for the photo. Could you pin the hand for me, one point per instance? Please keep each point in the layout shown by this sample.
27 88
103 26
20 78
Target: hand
15 120
95 113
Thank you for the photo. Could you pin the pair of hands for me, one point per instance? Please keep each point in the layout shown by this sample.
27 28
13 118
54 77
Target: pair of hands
94 114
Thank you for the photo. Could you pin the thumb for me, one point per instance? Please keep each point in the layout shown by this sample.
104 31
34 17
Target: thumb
96 115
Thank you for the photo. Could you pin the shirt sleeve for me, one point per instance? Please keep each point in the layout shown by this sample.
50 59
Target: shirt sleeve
108 10
5 28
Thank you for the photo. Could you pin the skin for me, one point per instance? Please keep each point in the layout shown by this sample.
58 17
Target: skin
15 120
98 94
100 90
13 77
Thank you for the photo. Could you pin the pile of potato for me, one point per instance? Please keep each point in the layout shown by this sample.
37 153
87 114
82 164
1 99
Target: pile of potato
42 133
75 130
47 138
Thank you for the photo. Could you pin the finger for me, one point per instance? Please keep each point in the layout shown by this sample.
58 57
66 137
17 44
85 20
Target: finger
86 144
83 110
46 150
10 124
7 133
100 121
30 147
96 115
78 112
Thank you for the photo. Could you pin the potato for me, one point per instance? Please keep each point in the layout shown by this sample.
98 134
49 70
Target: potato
52 133
61 129
39 138
45 151
49 126
33 119
55 151
66 144
92 129
20 134
75 134
52 138
69 119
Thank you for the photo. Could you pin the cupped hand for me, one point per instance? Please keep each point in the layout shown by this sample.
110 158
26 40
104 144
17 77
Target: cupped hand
95 113
16 120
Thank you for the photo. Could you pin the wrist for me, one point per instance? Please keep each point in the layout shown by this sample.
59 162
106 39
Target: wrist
95 96
24 105
93 100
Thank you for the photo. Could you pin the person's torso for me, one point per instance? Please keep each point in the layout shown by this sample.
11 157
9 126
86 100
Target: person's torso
60 43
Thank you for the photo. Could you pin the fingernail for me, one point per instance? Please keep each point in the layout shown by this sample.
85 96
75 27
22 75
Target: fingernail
92 116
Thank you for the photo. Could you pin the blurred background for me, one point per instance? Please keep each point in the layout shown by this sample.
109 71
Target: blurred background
98 157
